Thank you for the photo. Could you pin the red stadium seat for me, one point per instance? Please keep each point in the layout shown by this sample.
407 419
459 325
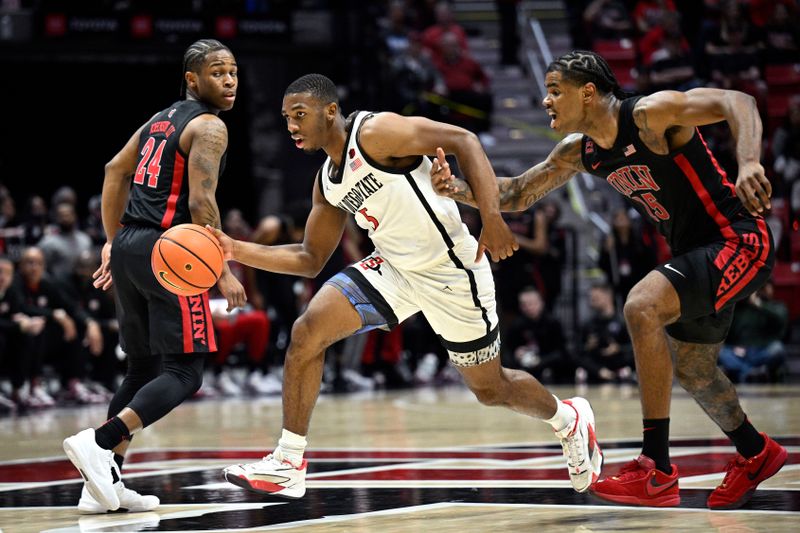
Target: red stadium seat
621 57
786 282
789 74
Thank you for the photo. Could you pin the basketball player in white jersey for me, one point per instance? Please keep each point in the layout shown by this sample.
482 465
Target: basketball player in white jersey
424 260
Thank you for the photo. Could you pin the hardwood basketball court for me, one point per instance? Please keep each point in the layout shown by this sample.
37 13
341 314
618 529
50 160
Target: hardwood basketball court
421 460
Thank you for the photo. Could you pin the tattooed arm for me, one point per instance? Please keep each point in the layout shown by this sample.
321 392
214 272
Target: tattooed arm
208 139
208 143
520 192
667 120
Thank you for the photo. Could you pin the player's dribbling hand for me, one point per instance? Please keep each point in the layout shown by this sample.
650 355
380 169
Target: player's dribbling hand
102 276
753 188
224 241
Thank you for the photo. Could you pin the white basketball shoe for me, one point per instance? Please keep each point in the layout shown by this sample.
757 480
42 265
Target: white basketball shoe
270 476
129 501
579 443
95 465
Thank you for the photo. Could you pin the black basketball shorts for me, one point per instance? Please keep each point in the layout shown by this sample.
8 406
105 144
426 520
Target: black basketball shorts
151 319
710 279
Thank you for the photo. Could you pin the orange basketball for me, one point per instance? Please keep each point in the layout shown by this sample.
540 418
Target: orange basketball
187 260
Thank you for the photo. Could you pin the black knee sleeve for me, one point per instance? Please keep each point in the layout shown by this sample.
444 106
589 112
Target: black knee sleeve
182 375
141 371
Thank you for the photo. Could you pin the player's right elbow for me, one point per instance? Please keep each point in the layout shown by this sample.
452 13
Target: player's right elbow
312 270
199 209
113 169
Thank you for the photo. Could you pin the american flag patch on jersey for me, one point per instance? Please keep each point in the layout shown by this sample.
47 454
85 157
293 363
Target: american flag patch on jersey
355 164
630 150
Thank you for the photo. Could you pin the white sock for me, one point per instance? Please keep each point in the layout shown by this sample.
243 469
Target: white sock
565 415
291 447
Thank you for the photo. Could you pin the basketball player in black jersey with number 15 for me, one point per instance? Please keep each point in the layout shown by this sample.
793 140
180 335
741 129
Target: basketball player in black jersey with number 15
165 175
650 150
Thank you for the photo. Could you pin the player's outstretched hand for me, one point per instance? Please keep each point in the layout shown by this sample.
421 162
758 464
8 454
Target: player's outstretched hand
442 179
224 241
102 276
753 188
497 239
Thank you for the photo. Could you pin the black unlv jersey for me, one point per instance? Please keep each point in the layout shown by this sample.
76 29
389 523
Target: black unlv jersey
159 194
685 193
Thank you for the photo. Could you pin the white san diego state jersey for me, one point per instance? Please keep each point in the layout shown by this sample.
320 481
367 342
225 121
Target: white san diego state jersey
410 225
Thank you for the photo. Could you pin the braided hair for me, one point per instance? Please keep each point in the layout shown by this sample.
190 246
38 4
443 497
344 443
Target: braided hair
581 67
195 56
320 87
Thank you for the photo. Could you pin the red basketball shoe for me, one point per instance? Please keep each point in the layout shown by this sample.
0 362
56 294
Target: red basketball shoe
743 475
640 483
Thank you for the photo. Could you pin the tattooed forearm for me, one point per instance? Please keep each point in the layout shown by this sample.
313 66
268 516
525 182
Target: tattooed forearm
206 153
517 194
462 192
697 372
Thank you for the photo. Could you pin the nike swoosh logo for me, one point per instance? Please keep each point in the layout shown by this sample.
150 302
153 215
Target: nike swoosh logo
755 474
678 272
163 276
595 165
654 488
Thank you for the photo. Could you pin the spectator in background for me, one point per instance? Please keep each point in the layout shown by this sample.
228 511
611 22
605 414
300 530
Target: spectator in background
60 342
98 307
16 332
786 151
8 209
733 49
94 222
64 195
608 20
755 339
395 29
421 13
607 354
249 325
535 342
66 243
549 264
467 86
411 74
11 234
509 32
445 24
625 257
35 221
648 14
278 290
519 271
669 63
782 34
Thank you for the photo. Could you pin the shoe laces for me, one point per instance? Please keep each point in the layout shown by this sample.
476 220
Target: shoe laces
572 448
270 459
630 470
730 469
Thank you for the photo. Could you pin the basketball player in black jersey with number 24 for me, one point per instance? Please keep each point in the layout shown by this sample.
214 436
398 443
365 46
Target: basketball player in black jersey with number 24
650 150
165 175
